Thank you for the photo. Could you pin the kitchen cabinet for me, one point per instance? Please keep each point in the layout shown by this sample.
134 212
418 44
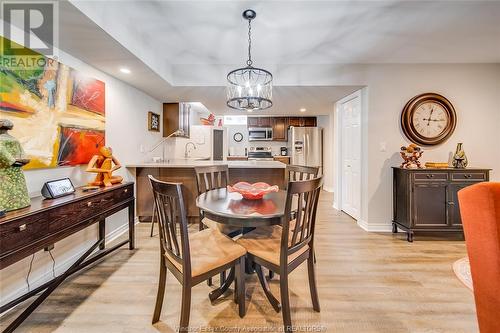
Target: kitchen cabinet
280 128
294 121
302 121
237 158
252 122
309 121
176 117
426 199
259 122
282 159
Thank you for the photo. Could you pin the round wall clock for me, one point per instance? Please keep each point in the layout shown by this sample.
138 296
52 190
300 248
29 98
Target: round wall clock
428 119
238 137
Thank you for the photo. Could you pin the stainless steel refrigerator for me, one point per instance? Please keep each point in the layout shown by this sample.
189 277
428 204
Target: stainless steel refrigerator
306 146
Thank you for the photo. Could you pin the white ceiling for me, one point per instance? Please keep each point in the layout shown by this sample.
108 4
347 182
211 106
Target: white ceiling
174 48
303 32
317 100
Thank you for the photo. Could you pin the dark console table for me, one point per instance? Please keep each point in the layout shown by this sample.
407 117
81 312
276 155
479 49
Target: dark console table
426 199
26 231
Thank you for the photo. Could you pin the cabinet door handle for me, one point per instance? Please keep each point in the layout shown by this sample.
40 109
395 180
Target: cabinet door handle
89 203
451 203
22 227
468 176
430 176
126 190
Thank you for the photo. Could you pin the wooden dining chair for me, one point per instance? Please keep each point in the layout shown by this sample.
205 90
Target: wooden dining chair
299 172
281 249
191 257
295 173
211 178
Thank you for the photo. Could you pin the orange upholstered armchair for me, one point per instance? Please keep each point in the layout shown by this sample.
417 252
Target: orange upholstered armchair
480 211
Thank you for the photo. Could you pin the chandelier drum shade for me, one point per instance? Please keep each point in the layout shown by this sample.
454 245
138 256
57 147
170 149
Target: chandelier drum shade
249 88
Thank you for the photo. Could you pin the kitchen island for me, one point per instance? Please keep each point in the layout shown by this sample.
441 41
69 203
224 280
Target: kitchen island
182 171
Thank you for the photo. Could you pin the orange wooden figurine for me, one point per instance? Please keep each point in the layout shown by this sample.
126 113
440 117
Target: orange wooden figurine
103 165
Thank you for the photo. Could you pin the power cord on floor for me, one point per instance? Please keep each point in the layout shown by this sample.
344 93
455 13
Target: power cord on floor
29 272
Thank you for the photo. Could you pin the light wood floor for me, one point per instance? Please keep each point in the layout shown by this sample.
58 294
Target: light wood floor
367 283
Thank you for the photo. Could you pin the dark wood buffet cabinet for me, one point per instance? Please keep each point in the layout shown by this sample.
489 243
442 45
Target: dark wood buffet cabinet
425 200
25 231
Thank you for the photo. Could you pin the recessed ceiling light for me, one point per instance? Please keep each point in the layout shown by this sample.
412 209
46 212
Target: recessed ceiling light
303 110
125 70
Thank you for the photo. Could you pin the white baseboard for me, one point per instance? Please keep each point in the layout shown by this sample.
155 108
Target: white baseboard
375 226
62 266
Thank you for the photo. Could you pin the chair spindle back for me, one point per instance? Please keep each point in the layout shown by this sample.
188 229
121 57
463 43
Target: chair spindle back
302 195
172 222
298 172
211 177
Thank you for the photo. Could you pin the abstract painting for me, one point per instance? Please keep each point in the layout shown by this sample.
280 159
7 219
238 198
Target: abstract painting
58 112
87 93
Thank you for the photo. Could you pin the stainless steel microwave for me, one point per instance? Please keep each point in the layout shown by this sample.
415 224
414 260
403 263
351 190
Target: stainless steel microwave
260 134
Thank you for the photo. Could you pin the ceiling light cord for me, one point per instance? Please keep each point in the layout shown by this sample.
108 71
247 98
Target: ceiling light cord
249 61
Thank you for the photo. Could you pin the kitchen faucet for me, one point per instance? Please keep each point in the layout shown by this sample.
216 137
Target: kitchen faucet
186 152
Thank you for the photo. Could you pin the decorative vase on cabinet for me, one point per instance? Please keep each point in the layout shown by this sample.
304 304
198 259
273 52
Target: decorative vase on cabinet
460 159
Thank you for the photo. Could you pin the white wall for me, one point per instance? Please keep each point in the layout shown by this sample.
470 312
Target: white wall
126 131
326 122
474 90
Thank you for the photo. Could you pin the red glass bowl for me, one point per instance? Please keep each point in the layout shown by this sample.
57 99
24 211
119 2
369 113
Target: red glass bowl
253 191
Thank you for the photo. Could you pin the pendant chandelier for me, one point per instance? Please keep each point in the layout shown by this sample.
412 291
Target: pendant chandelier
249 88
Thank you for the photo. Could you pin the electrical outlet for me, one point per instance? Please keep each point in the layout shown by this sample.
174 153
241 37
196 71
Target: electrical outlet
383 146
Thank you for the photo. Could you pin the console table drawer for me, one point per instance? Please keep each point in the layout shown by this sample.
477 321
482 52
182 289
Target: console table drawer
92 205
19 233
435 176
468 176
88 208
84 209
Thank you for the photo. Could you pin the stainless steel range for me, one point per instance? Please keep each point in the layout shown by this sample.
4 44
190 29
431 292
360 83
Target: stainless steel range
260 154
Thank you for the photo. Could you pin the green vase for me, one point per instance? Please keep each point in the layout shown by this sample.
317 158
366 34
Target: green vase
13 189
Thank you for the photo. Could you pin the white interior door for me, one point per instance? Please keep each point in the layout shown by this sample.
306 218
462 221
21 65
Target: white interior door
350 114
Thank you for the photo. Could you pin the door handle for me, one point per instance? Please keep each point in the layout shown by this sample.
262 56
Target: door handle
451 203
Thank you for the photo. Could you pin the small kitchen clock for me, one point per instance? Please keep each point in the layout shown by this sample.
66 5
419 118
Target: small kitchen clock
57 188
428 119
238 137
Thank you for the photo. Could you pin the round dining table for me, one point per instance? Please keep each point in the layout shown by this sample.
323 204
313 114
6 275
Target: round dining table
232 209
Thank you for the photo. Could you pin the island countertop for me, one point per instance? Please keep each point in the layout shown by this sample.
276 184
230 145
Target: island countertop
183 171
191 163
